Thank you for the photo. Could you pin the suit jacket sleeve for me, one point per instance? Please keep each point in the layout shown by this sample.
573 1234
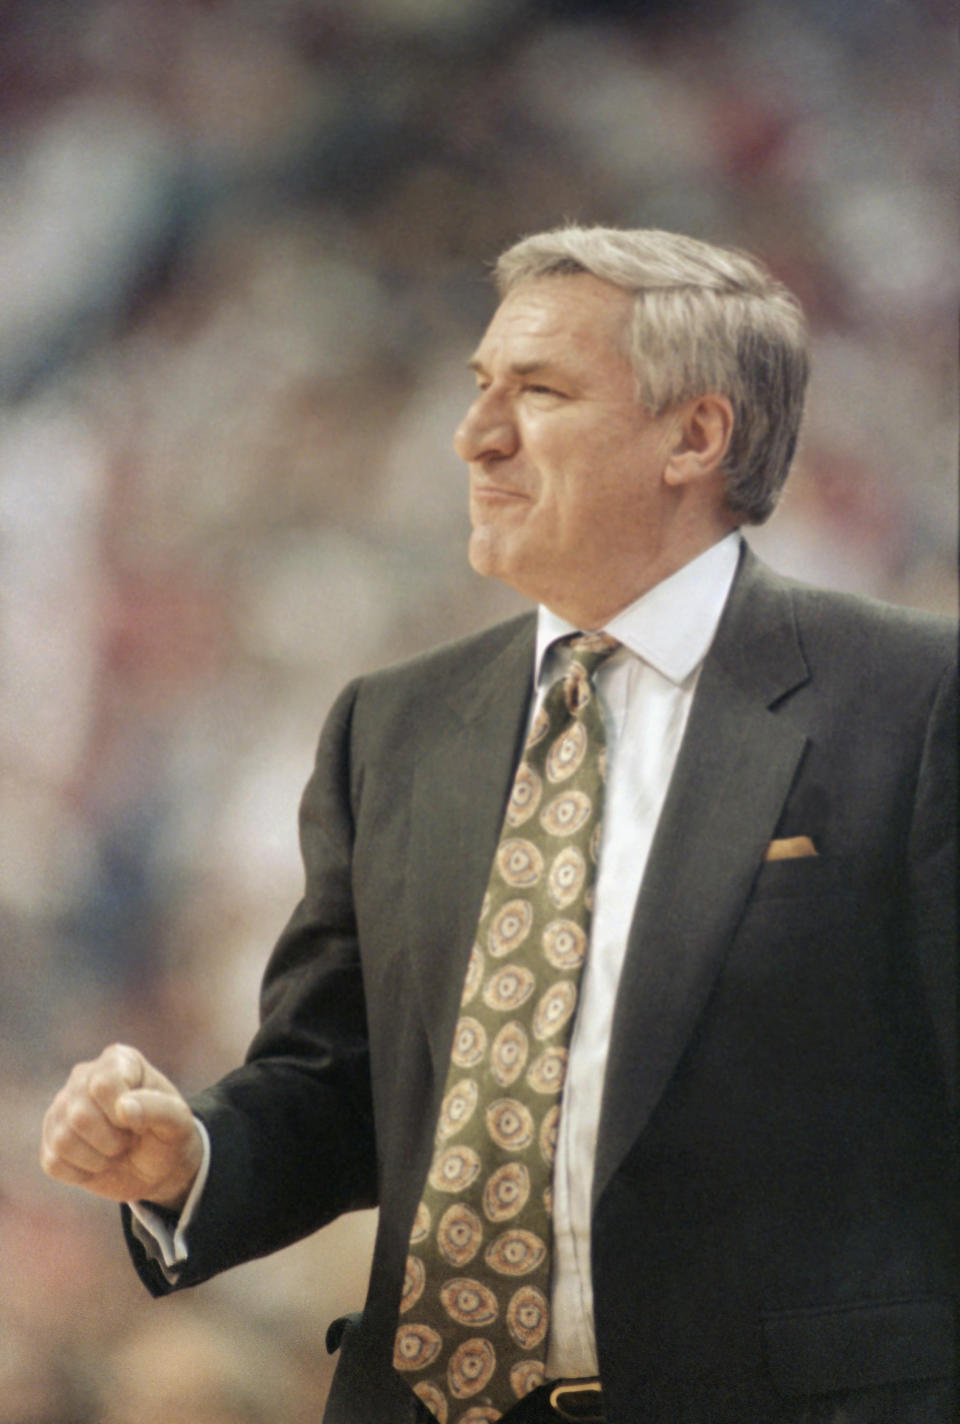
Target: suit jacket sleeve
292 1130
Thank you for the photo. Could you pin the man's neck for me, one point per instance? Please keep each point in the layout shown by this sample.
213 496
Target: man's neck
605 603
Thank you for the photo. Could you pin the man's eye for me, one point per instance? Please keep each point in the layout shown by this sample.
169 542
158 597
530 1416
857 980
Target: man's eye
544 391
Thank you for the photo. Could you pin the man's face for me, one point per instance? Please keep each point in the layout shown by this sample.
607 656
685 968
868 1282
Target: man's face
567 500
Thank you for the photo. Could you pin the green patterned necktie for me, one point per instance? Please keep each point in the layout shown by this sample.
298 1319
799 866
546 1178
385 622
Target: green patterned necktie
474 1316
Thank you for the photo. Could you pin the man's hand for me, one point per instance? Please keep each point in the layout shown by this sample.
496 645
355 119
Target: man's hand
121 1130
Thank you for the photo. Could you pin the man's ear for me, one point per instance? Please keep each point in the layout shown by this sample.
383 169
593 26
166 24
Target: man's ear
700 439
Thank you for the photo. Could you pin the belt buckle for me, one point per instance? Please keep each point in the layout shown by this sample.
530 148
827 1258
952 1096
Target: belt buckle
591 1411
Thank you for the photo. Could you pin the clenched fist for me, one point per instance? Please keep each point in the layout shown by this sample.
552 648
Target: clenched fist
120 1129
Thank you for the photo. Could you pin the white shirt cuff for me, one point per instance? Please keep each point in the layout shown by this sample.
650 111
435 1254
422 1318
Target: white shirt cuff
166 1244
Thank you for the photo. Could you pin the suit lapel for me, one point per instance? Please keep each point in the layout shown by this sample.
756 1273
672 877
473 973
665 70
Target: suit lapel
735 768
461 785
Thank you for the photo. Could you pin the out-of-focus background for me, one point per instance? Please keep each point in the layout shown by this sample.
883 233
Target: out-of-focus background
243 253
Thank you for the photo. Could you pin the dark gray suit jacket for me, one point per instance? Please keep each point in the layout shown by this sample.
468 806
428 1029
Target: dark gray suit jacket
774 1179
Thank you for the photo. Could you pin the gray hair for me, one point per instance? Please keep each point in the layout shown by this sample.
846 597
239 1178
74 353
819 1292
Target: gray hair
706 320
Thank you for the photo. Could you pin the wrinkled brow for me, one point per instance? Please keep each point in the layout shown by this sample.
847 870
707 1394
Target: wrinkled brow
516 368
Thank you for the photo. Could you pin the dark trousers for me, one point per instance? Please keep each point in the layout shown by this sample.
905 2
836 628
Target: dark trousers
926 1402
929 1402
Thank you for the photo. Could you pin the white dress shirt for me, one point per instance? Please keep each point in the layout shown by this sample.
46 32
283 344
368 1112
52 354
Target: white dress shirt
646 689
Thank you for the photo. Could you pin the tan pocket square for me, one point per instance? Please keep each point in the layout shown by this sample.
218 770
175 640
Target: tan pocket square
791 848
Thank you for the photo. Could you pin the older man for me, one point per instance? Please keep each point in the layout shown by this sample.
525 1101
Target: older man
622 977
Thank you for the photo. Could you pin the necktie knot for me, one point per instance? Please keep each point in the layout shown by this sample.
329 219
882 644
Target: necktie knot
587 653
593 647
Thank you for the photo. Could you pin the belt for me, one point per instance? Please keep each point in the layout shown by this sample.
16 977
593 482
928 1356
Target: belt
580 1401
567 1401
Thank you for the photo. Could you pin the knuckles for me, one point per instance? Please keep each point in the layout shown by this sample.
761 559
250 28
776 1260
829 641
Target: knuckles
80 1116
56 1135
76 1111
49 1160
69 1117
102 1086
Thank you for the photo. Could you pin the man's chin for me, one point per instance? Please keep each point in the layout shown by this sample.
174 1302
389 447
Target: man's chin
485 552
493 557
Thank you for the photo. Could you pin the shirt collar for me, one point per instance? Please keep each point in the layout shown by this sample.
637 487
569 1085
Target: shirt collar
671 626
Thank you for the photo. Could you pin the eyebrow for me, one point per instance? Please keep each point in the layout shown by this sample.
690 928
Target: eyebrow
517 368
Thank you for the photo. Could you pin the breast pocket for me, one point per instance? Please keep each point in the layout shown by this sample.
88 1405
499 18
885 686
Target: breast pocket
804 876
806 979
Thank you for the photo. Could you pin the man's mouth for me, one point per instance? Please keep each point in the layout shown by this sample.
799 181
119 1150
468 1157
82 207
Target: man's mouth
495 494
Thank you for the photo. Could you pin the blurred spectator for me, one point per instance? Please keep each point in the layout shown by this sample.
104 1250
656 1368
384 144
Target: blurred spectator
37 1387
205 1371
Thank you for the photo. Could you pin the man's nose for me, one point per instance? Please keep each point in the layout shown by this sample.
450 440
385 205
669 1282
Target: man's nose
487 431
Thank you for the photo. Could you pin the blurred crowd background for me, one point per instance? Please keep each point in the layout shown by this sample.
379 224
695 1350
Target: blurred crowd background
243 258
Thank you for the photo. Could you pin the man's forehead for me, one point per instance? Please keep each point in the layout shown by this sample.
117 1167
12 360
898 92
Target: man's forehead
540 320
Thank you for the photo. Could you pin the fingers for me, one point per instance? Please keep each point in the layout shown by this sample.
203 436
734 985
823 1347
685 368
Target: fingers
110 1078
80 1131
80 1136
120 1128
153 1110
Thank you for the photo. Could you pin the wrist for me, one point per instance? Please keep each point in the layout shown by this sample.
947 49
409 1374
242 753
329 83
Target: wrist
172 1196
